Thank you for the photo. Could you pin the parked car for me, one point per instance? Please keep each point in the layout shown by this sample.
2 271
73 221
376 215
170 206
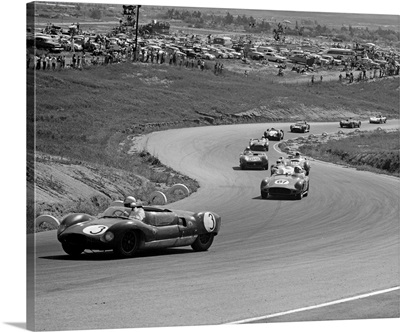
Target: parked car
254 54
271 56
47 43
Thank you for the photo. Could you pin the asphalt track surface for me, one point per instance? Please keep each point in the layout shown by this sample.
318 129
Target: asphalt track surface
271 256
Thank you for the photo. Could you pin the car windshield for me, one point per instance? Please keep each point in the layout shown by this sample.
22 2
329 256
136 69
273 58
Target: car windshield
258 148
117 212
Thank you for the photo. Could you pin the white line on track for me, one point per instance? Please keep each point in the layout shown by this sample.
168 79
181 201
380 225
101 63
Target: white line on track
248 320
276 148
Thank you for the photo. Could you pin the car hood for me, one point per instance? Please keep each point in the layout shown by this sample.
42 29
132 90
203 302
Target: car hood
94 227
283 181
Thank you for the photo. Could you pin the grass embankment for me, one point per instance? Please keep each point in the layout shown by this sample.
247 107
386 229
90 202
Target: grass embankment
376 151
85 114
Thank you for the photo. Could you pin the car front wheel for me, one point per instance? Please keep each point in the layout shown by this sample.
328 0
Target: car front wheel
128 244
203 242
72 250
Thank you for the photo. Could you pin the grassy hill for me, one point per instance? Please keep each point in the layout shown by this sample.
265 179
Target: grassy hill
85 114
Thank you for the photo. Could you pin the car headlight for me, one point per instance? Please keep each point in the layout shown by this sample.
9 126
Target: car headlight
108 236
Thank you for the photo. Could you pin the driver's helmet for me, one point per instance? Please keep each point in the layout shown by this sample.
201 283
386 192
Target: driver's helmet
279 171
297 169
129 200
297 154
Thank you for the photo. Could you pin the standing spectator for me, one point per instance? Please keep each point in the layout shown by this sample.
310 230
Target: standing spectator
59 60
63 62
78 61
48 61
202 65
321 78
340 77
312 79
73 60
44 62
53 62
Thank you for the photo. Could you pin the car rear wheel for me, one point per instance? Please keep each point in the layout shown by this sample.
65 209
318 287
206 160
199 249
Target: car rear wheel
203 242
72 249
128 244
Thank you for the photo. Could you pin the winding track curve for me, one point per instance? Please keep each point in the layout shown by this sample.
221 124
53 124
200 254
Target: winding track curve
270 256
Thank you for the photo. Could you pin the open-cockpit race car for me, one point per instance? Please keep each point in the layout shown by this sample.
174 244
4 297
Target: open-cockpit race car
350 123
255 155
290 162
129 227
287 181
377 119
274 134
300 127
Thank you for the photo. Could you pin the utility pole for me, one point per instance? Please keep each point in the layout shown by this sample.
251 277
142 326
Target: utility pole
137 30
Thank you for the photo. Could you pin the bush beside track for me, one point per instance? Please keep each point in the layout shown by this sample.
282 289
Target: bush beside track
376 151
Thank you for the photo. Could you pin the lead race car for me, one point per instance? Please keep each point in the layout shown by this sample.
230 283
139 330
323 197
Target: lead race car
255 155
128 227
286 182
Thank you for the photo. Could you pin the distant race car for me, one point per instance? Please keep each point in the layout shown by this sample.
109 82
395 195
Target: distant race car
377 119
274 134
255 155
128 228
300 127
350 123
290 184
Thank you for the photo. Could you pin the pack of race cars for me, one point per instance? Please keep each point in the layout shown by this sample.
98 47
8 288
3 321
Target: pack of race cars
129 227
289 176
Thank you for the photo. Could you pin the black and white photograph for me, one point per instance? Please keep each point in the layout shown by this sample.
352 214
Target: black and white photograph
191 165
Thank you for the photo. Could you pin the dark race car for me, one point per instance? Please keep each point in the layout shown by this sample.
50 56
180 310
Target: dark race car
300 127
128 227
274 134
286 182
255 155
350 123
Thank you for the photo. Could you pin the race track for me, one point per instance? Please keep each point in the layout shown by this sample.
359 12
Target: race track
270 256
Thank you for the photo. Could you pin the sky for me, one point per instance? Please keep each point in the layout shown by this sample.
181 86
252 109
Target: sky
13 139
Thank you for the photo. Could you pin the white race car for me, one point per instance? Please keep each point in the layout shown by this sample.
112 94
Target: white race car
377 119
